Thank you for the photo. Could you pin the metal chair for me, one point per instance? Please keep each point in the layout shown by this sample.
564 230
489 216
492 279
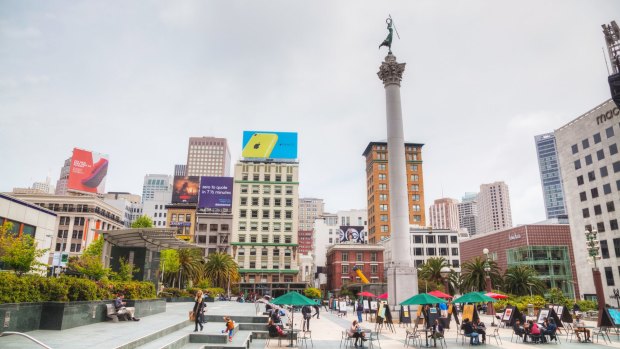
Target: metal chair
372 337
601 332
412 335
305 336
495 334
345 339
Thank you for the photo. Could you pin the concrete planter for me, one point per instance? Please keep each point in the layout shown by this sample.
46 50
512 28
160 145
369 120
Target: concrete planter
179 299
20 317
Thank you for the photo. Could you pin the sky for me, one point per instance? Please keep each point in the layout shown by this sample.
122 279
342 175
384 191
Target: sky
136 79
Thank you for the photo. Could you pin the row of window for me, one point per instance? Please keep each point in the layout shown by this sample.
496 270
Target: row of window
359 256
265 226
213 227
585 144
600 155
243 201
266 214
430 239
277 189
583 196
266 177
432 251
265 239
77 234
374 269
72 248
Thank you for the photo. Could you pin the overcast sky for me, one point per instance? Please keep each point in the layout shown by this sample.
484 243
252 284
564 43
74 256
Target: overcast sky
135 79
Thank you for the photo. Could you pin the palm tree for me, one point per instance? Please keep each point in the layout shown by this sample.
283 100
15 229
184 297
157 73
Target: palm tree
220 268
522 280
431 269
474 275
190 264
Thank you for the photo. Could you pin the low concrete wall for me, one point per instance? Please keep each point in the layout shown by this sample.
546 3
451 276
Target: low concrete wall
20 317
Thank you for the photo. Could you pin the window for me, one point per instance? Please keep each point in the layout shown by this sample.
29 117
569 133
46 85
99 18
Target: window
345 256
585 212
384 228
588 160
253 226
264 226
597 210
597 138
600 154
580 180
577 164
264 239
287 239
609 275
266 202
609 132
430 251
594 192
414 178
456 263
383 218
417 239
373 256
443 251
276 240
277 202
383 207
289 203
455 251
582 196
600 226
617 247
575 148
453 239
254 213
359 256
604 172
244 189
242 201
288 190
254 201
267 177
616 166
288 214
585 144
613 224
604 249
613 149
418 251
443 239
591 176
266 214
242 238
345 269
252 239
606 188
430 239
374 269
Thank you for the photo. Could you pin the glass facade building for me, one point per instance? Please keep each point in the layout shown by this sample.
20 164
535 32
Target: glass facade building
553 192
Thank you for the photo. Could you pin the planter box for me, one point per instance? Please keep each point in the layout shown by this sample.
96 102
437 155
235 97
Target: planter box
20 317
179 299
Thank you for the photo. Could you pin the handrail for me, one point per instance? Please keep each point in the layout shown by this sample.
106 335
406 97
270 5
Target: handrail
6 333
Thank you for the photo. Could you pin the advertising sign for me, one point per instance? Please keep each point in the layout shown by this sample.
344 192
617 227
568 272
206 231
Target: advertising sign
185 190
88 171
215 192
269 145
352 234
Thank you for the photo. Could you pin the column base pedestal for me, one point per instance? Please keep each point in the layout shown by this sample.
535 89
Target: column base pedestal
402 284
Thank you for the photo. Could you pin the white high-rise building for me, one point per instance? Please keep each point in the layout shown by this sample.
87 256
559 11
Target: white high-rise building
444 214
309 210
208 156
265 224
468 213
493 208
44 187
590 168
154 183
63 181
129 204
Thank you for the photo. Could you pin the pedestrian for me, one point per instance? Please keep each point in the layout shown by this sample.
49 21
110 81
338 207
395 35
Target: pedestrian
306 311
198 305
316 308
359 310
230 326
443 309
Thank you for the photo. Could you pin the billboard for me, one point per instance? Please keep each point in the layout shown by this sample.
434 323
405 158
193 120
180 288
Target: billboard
269 145
185 190
351 234
215 192
88 171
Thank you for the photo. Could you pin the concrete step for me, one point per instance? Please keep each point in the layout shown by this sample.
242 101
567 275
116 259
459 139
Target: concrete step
155 335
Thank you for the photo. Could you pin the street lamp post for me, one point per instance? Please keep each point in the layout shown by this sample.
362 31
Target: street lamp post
489 287
616 296
592 244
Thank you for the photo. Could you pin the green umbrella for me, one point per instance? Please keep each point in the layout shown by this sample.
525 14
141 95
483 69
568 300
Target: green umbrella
293 298
473 297
422 298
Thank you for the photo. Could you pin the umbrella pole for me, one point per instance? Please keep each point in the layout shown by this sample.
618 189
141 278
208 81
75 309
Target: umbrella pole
292 325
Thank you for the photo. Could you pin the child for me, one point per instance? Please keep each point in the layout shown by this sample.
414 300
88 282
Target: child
230 326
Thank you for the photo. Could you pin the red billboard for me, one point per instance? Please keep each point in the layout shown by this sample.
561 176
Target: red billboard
185 190
88 171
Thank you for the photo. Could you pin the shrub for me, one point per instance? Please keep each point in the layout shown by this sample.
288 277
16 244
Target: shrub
14 289
312 292
214 291
175 292
53 289
587 305
192 291
80 289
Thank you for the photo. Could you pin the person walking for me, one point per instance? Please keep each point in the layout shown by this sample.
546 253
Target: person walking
306 311
360 311
198 306
316 308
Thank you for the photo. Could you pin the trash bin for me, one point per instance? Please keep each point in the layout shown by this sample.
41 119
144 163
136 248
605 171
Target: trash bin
530 310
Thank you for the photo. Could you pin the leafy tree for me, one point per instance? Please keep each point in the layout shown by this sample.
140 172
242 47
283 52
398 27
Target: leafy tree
431 269
169 266
89 263
125 271
220 268
143 221
474 275
190 264
312 292
95 248
522 280
19 253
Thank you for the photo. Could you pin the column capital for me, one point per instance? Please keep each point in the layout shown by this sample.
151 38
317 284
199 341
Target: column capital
390 71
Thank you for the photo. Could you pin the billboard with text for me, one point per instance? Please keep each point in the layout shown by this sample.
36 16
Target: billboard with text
269 145
88 171
352 234
215 192
185 190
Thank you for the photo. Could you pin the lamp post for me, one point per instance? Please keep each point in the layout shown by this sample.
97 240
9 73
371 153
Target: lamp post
592 244
616 296
445 275
489 287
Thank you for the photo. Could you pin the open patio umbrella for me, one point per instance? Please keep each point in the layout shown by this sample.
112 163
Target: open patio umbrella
439 294
422 298
383 296
496 295
473 297
366 294
293 298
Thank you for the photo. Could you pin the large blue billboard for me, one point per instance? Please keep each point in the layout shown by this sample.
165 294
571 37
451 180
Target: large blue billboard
269 145
215 192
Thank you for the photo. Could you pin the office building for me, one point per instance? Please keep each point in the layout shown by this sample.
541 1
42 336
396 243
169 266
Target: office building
546 247
341 258
154 183
213 231
377 188
590 168
44 187
493 208
444 214
553 193
155 208
208 156
309 210
129 204
180 170
468 213
63 180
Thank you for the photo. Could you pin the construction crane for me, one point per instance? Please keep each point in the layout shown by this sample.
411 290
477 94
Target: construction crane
612 40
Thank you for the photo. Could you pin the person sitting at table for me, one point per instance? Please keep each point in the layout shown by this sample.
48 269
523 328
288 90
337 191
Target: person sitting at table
481 329
437 330
534 331
355 331
549 330
580 326
519 330
275 330
468 331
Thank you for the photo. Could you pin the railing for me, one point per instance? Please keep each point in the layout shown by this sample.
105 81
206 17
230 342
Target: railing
7 333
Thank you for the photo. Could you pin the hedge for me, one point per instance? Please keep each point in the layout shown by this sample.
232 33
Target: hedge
35 288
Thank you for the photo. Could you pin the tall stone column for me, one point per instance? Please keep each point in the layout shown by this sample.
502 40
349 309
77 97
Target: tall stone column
402 276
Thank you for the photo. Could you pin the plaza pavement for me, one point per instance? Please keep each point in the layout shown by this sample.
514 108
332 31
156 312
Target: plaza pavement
160 330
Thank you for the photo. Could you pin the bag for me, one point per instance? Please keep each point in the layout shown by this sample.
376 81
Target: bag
192 316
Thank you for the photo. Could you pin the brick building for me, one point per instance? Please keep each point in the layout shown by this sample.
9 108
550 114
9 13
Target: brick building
305 241
547 248
341 258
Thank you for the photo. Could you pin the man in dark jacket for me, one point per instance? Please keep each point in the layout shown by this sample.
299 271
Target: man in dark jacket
468 331
306 311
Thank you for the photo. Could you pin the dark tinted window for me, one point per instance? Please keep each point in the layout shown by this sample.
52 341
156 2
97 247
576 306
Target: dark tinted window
597 138
574 148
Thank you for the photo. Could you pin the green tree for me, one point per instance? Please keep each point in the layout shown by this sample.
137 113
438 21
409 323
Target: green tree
19 253
220 268
169 266
312 292
190 265
431 269
95 248
522 280
474 275
143 221
125 271
89 263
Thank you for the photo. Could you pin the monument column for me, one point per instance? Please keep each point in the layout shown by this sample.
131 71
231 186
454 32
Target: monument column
402 276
